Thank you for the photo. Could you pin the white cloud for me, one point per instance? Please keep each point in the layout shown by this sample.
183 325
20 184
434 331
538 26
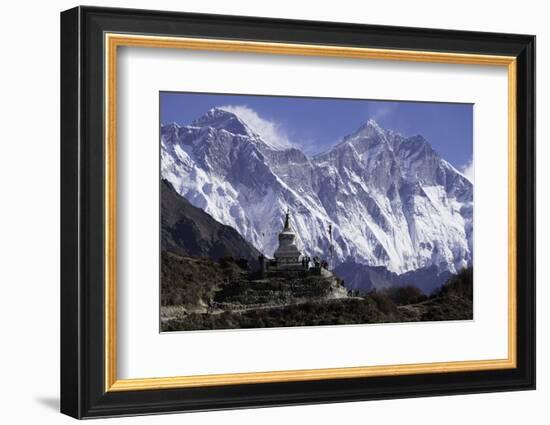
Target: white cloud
468 170
272 132
382 111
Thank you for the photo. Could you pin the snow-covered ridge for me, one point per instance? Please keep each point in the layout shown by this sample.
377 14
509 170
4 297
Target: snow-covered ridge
391 200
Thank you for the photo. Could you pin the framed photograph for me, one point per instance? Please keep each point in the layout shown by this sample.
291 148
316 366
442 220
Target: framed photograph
261 212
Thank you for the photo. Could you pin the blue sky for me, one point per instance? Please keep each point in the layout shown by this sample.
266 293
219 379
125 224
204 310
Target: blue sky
316 124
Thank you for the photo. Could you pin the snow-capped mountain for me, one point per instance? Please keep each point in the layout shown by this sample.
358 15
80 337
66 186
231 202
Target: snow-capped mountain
391 200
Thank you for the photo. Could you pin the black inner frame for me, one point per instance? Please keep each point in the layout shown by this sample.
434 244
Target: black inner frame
82 212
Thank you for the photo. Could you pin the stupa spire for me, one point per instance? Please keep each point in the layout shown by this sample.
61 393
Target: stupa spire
287 220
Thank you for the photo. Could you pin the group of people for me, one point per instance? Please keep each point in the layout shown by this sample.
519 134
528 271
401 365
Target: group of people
306 261
317 262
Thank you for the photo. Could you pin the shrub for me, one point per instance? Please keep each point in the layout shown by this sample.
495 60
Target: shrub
405 295
384 303
460 286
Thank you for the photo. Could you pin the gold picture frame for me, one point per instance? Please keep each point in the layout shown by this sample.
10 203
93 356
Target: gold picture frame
114 41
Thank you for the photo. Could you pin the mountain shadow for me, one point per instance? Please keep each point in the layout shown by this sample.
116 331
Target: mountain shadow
367 278
189 231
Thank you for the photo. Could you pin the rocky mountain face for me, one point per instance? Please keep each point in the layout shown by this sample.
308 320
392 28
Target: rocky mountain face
189 231
391 200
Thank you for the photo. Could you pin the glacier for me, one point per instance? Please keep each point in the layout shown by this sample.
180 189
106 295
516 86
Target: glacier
391 200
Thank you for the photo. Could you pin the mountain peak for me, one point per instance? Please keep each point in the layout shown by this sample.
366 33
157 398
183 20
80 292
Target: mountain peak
369 134
373 124
222 119
216 113
369 129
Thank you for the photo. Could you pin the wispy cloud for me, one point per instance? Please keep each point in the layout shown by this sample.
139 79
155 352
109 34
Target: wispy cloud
468 170
272 132
380 111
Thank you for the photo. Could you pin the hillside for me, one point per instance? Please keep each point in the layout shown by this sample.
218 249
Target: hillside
199 294
189 231
200 288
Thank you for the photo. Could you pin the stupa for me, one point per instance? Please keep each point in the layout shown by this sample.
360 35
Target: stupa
287 255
